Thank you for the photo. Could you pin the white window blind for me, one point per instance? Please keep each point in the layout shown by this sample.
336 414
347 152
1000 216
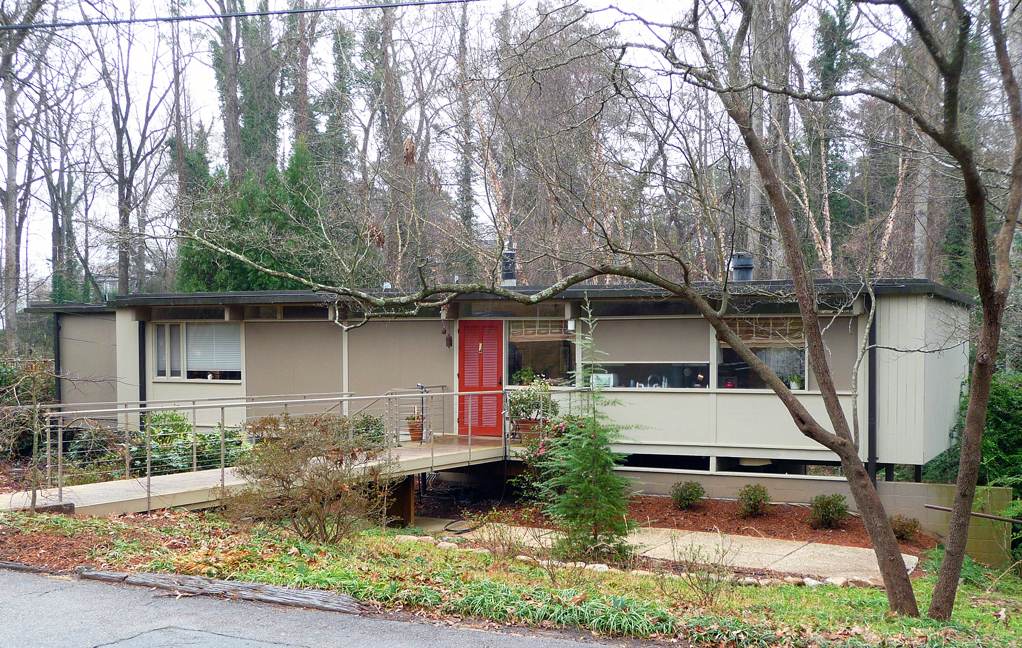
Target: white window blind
213 347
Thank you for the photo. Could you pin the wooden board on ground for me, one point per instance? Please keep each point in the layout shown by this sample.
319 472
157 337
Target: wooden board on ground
201 586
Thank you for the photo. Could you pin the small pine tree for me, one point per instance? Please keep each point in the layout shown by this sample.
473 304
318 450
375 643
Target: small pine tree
582 490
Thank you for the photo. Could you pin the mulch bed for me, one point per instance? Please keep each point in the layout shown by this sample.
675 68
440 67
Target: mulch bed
50 551
11 478
784 522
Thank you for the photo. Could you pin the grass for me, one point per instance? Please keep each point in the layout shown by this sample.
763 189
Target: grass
388 573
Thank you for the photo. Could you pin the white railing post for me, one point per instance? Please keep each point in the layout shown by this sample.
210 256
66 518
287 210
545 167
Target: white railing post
195 439
148 466
223 450
60 462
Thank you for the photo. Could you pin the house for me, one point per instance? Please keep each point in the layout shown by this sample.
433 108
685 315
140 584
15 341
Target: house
689 403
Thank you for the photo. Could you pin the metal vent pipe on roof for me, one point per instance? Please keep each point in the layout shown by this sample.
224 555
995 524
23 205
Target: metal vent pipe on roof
508 274
742 265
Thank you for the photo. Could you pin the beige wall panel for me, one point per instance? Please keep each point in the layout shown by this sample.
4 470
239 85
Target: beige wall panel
947 333
900 379
660 417
653 340
841 339
184 392
293 358
760 419
127 355
398 354
88 357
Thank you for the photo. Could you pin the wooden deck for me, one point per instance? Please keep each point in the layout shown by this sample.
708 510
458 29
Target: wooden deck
203 488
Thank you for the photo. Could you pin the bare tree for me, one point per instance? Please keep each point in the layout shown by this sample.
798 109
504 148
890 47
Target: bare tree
21 53
137 129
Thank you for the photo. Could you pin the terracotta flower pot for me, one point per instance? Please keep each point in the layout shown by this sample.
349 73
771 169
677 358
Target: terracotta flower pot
415 429
527 428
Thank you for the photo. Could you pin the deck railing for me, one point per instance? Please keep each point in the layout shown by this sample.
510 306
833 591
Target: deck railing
143 441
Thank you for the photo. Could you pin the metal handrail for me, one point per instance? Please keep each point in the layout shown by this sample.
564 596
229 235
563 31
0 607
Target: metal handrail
186 403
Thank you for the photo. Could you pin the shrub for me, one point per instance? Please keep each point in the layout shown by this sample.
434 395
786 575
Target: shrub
685 494
905 528
582 491
323 475
753 500
174 448
827 511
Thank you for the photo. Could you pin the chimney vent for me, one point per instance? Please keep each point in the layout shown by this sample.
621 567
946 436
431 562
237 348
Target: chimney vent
742 265
508 276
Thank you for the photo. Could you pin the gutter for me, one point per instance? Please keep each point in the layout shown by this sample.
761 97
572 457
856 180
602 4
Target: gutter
871 381
141 364
56 358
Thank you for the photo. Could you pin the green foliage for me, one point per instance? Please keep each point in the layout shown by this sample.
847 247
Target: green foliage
174 448
579 486
283 224
1014 511
685 494
753 500
828 511
1002 439
972 572
905 528
531 401
582 491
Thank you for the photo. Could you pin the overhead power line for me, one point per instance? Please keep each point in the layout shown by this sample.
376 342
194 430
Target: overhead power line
244 14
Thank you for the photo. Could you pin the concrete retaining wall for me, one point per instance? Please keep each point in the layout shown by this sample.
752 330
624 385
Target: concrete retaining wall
988 540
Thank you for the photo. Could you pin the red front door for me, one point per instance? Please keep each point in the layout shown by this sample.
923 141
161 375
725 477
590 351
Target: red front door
480 369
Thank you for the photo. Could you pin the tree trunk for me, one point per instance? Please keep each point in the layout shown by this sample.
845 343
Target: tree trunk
12 247
920 224
231 45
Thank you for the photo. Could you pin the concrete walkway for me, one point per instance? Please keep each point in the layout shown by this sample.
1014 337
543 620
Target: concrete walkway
802 558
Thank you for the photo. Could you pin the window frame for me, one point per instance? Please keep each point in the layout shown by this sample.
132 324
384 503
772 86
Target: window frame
183 353
758 341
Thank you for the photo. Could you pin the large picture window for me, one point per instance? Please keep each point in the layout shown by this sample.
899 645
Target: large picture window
653 375
198 350
777 341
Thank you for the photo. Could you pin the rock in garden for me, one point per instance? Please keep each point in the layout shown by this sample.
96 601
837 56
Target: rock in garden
427 539
407 538
446 545
641 572
794 580
527 559
748 581
836 581
597 567
769 582
859 582
811 582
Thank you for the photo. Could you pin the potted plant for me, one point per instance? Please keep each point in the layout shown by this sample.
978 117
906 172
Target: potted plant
795 381
415 426
530 404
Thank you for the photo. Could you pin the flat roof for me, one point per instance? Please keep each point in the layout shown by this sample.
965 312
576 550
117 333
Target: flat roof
772 289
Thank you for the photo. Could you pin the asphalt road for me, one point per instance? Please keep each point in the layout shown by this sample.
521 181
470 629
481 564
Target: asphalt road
38 611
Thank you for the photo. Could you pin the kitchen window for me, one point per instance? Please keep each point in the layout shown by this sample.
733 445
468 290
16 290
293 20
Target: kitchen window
777 341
